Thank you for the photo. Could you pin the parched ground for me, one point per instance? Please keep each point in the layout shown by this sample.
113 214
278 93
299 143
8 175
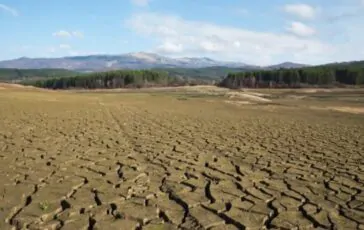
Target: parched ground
187 159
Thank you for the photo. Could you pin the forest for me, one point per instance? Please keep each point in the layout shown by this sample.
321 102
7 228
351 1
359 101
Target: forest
16 75
116 79
216 73
207 73
329 75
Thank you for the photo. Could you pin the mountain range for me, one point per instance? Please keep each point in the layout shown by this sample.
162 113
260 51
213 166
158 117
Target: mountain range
138 60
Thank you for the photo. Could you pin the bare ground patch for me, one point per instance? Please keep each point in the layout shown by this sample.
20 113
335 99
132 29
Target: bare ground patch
247 96
344 109
356 110
14 86
314 90
125 161
239 102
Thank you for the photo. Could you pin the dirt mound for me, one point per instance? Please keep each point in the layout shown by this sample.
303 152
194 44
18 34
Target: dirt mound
344 109
296 97
11 86
239 102
256 93
249 96
206 89
14 86
355 110
315 90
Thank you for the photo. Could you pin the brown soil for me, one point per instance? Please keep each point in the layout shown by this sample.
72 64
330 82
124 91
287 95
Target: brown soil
247 96
356 110
10 86
141 161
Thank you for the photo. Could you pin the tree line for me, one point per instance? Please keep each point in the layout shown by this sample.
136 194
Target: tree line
292 78
15 75
115 79
328 75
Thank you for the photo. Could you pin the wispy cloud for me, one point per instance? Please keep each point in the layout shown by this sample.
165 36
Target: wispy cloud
179 37
68 34
141 3
341 12
301 10
9 9
300 29
169 47
345 15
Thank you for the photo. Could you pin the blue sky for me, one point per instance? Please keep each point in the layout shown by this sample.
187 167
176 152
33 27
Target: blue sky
255 32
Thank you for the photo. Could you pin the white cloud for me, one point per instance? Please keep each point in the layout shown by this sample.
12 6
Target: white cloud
141 3
301 10
211 46
300 29
170 47
9 9
237 44
192 38
67 34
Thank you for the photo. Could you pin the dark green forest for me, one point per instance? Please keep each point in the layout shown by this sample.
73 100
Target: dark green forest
329 75
206 73
16 75
116 79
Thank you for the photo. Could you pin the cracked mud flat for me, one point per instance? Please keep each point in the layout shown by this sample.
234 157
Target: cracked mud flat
136 161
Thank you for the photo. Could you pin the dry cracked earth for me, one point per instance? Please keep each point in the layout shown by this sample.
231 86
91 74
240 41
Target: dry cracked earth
155 161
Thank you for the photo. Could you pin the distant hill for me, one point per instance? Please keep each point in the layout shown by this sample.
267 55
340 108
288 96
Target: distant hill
352 64
201 68
187 68
286 65
138 60
142 60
